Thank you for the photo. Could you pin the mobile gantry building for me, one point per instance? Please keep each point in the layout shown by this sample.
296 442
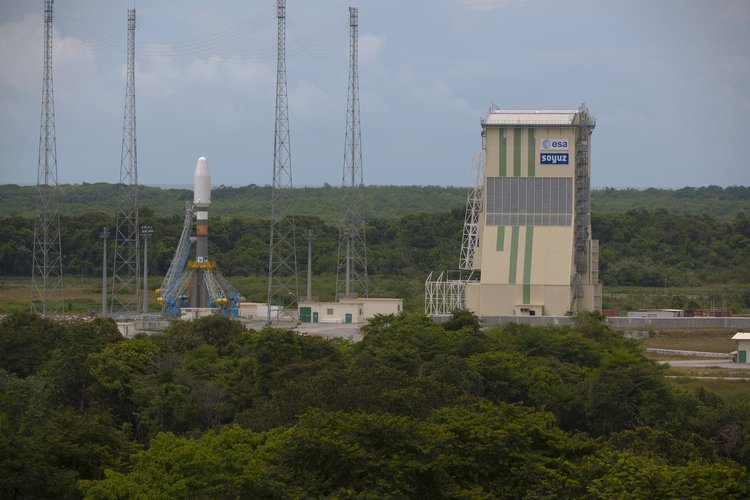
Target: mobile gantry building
534 254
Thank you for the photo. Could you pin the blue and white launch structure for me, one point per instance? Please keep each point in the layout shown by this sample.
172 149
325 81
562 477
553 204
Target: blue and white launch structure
197 283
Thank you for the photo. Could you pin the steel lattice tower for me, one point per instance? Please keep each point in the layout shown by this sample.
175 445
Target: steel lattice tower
125 278
470 240
47 293
282 257
351 271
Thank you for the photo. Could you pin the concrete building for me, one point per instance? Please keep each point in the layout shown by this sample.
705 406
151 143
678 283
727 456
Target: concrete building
534 254
743 346
348 310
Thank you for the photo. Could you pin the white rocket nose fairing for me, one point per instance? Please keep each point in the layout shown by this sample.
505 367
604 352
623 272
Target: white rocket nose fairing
202 183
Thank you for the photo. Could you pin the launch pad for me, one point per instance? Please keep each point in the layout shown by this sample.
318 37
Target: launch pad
197 284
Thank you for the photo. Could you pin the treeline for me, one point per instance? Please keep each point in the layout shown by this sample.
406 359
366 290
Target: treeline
381 202
408 246
326 202
716 201
637 248
415 410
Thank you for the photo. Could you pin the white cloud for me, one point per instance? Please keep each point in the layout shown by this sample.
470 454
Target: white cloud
20 55
370 47
489 5
307 98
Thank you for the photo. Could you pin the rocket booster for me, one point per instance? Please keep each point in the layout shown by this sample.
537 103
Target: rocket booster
201 200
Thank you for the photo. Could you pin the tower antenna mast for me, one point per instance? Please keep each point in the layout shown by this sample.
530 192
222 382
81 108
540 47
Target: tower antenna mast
126 276
282 256
47 272
351 271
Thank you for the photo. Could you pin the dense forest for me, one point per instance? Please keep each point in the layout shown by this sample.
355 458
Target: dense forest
417 410
637 248
381 202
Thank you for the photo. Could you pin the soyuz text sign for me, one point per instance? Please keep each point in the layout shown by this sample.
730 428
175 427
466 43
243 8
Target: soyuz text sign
554 144
553 158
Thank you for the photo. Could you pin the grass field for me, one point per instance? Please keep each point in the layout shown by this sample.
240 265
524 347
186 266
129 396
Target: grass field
730 390
716 296
696 340
83 295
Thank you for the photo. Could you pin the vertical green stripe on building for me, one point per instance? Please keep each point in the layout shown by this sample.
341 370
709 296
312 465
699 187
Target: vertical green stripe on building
527 264
532 153
503 154
513 255
500 245
516 152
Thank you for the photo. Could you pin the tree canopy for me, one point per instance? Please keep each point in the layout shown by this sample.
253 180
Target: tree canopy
415 409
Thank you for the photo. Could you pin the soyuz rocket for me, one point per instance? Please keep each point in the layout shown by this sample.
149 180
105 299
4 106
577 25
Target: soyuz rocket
201 201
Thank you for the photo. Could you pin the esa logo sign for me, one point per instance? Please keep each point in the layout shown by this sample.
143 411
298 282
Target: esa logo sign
553 158
554 145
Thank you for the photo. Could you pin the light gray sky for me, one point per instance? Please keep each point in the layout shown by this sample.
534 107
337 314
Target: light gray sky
667 80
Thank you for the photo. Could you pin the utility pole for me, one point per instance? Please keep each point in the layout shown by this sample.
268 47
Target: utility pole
309 237
351 270
146 231
104 235
47 290
282 255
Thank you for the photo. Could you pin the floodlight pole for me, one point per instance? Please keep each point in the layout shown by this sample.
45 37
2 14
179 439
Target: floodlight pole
104 235
146 231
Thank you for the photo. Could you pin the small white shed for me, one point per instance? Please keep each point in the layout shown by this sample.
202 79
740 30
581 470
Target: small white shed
376 305
743 346
330 312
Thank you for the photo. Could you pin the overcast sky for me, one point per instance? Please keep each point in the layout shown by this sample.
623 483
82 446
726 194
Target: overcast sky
667 80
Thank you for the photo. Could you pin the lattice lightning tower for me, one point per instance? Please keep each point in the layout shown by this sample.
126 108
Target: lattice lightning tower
47 274
125 278
282 257
351 272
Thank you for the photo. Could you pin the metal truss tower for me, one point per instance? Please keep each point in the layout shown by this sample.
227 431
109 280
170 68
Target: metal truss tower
470 241
282 256
351 271
47 293
585 124
126 276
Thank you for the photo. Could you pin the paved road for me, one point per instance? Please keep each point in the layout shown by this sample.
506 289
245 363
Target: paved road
708 363
341 331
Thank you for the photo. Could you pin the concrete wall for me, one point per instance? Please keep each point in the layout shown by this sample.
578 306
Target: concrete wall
734 323
376 305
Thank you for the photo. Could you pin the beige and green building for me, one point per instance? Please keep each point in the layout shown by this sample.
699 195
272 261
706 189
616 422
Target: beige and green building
534 254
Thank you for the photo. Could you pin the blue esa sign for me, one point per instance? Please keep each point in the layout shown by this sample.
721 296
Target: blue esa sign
553 158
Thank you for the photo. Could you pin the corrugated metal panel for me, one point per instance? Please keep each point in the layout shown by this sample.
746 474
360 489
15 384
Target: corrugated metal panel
531 117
